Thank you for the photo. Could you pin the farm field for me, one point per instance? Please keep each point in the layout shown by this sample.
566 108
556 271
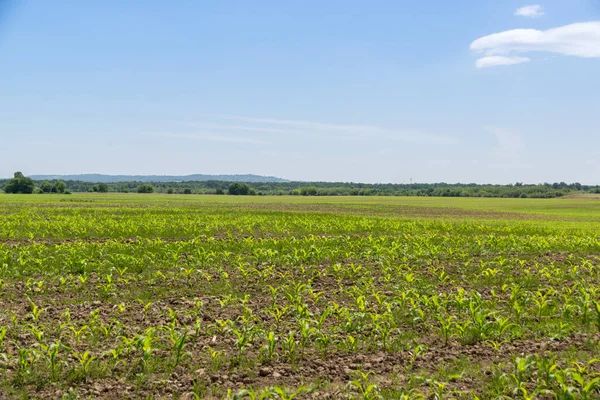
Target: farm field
175 296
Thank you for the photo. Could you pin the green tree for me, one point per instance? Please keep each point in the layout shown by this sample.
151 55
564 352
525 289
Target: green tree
59 187
20 184
145 188
239 189
187 191
102 187
308 191
46 187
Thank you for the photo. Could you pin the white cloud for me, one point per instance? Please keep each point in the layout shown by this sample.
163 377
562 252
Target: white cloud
580 39
530 11
492 61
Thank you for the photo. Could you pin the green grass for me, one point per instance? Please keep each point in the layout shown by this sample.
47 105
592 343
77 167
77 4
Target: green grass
353 297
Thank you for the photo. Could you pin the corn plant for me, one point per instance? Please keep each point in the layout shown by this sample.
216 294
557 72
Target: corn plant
178 340
268 350
243 338
35 311
145 343
366 389
3 332
85 360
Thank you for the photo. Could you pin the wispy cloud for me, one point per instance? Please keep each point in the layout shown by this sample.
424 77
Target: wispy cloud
580 39
338 131
530 11
39 143
507 142
238 128
492 61
208 136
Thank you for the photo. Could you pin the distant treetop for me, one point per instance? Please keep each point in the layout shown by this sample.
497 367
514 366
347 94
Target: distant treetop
20 184
99 178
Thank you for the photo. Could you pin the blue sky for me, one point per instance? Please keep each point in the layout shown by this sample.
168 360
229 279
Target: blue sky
372 91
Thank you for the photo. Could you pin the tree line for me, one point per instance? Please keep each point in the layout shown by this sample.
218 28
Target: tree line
22 184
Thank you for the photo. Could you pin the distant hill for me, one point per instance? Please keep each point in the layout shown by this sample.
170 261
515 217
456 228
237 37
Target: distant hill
99 178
